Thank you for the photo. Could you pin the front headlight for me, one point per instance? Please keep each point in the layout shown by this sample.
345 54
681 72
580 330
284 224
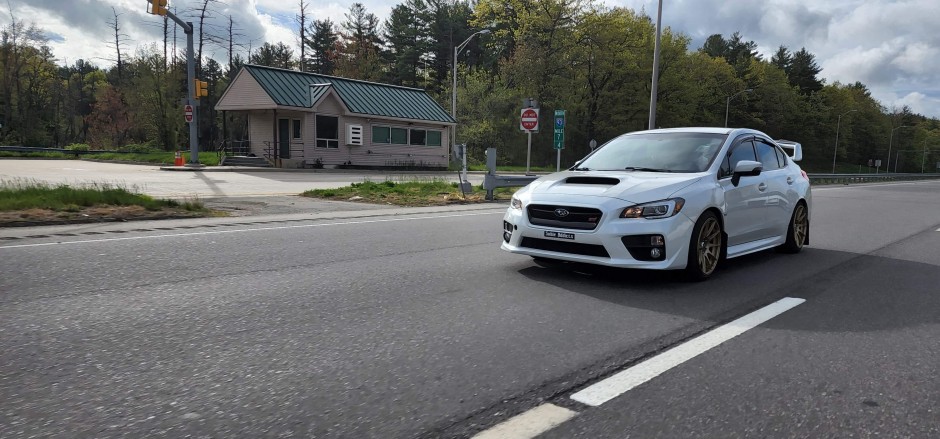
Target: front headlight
515 203
656 209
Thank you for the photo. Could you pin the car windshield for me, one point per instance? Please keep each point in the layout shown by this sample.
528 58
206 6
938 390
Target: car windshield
657 152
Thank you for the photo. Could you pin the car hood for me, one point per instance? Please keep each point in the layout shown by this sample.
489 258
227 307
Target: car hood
631 186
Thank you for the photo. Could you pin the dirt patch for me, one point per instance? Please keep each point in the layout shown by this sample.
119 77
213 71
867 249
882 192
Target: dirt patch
41 217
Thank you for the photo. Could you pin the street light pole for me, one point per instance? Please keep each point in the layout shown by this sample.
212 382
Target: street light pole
836 149
728 103
453 101
890 138
924 159
654 89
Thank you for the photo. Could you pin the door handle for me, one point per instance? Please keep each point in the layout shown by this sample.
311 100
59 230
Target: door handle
789 180
762 187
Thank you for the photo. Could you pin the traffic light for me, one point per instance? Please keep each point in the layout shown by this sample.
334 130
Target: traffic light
158 7
202 89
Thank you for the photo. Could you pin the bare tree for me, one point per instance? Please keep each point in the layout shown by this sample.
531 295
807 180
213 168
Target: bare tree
203 11
166 34
302 23
119 38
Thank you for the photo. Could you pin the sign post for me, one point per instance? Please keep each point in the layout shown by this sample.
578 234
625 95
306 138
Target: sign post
559 137
528 122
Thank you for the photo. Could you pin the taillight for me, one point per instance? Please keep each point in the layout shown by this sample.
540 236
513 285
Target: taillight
804 174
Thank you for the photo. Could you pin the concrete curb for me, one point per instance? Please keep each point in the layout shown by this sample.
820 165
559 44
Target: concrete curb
7 233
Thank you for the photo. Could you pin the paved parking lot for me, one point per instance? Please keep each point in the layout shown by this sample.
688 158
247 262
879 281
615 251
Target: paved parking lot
203 184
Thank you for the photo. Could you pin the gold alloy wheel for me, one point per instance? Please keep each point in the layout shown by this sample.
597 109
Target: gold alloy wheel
800 225
709 246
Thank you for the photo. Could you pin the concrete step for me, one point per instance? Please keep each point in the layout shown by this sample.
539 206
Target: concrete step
259 162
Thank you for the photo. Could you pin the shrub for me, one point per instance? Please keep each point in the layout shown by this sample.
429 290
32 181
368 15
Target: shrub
78 147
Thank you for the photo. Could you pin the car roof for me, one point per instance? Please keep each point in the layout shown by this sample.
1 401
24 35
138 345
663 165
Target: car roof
707 130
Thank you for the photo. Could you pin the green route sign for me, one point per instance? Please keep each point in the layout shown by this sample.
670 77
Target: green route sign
559 129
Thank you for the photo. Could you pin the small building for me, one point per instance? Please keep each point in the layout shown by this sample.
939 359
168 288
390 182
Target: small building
298 119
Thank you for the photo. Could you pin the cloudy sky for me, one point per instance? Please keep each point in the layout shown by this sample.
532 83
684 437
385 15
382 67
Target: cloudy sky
892 46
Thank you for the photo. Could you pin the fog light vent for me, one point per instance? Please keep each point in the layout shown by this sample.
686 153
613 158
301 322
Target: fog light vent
645 247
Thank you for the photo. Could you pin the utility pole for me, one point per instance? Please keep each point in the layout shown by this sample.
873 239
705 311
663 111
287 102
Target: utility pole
159 7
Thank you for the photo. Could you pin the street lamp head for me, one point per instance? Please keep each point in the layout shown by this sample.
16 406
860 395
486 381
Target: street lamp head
484 32
748 90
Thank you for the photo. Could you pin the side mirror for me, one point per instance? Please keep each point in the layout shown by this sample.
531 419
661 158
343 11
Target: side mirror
745 168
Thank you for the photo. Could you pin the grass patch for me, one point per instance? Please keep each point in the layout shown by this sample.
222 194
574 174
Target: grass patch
37 155
428 192
30 202
208 158
513 169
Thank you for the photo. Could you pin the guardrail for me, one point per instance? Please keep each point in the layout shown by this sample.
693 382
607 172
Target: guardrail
62 150
866 178
491 181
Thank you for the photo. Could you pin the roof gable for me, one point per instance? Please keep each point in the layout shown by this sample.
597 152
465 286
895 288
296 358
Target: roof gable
292 88
249 95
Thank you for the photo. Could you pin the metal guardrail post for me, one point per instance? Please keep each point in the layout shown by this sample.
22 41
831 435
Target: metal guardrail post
489 180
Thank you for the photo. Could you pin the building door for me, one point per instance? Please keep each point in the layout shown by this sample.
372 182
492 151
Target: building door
283 138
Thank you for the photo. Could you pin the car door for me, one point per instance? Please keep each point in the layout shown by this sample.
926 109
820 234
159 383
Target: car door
744 203
774 187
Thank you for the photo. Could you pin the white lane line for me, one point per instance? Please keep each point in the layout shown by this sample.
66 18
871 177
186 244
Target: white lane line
607 389
258 229
529 424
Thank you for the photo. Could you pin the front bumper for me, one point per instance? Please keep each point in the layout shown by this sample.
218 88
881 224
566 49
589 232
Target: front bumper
609 233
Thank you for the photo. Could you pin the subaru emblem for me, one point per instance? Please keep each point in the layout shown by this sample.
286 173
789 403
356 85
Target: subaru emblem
561 213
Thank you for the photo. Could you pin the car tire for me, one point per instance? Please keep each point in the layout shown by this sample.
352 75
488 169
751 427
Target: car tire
797 231
705 247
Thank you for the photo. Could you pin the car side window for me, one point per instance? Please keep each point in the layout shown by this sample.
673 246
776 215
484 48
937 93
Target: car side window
767 155
781 157
741 151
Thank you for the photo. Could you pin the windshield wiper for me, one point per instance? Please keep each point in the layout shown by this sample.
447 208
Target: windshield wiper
581 169
640 168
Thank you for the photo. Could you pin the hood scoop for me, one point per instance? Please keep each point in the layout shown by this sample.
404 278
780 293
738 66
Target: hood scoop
607 181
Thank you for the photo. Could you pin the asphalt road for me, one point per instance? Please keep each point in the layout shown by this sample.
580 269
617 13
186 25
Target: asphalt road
396 324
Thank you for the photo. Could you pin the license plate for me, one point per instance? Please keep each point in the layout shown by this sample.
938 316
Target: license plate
560 235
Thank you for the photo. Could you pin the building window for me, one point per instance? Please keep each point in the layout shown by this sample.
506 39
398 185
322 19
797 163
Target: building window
381 135
399 136
418 137
404 136
434 138
296 131
327 132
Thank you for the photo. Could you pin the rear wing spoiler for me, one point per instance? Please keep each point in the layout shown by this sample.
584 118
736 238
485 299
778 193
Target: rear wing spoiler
793 148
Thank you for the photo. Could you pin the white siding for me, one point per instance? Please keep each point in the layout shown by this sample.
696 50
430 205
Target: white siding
383 155
260 130
329 105
244 94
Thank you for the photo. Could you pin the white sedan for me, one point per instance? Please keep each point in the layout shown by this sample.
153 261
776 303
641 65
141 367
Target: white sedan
669 199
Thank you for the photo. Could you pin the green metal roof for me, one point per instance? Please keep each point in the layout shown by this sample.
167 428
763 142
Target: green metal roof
292 88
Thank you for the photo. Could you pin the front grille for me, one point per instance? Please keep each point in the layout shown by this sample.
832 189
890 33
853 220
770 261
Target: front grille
574 248
578 218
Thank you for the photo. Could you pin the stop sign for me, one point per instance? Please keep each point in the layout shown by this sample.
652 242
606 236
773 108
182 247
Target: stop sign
188 112
530 119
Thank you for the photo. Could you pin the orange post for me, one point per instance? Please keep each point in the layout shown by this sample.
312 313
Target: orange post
179 159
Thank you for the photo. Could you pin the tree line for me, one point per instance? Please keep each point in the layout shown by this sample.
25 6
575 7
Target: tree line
593 61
